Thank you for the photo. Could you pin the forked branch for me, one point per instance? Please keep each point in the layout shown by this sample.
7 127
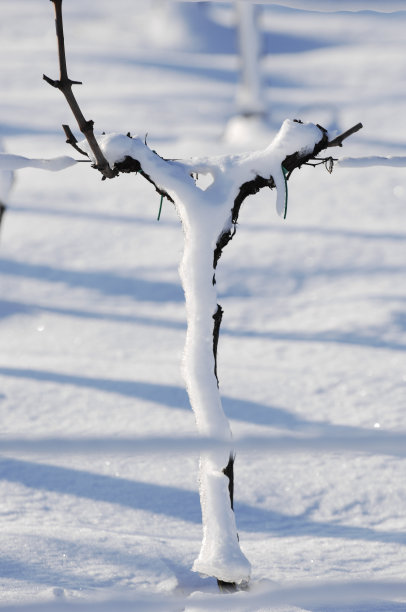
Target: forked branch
290 163
64 84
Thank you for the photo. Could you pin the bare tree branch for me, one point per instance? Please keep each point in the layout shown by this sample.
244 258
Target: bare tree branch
70 139
64 84
338 140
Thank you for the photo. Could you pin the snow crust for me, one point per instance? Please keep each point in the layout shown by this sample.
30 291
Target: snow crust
343 593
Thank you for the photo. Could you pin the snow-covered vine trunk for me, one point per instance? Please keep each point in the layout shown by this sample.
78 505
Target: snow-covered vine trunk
220 553
209 219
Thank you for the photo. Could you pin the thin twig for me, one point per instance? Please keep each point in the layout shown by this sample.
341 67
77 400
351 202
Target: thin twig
338 140
64 84
70 139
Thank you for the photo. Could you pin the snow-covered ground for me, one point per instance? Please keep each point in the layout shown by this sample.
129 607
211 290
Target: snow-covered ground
92 317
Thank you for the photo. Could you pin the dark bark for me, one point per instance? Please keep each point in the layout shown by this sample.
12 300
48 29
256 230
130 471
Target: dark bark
70 139
64 84
229 472
229 469
133 165
338 140
227 587
218 315
3 209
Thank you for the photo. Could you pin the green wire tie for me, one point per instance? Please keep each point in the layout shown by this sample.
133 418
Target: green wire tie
285 172
160 208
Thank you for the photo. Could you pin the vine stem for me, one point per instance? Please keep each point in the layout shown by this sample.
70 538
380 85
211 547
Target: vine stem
206 226
64 84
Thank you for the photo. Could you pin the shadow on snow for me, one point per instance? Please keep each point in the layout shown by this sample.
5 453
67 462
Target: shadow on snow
107 283
175 502
371 337
173 396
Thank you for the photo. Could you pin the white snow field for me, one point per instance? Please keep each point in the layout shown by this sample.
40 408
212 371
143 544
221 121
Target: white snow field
93 322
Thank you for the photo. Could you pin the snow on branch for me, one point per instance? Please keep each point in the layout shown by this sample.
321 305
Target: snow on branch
16 162
242 175
209 219
131 154
367 442
332 6
372 160
235 177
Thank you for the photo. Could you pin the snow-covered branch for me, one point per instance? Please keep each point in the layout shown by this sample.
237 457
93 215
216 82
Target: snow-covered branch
331 6
334 6
372 160
235 177
126 154
373 442
10 162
